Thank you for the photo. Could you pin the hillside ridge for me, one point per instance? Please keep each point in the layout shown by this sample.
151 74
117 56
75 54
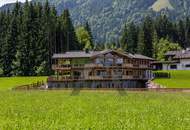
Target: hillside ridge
161 4
108 17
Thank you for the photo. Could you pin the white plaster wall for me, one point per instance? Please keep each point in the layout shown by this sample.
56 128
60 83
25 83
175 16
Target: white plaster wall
183 63
180 66
167 66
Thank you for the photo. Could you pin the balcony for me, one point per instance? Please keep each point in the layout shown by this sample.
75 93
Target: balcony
64 79
93 65
61 67
136 66
127 65
77 66
127 77
143 66
101 78
95 78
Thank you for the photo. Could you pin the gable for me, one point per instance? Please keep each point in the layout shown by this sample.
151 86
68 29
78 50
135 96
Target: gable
111 53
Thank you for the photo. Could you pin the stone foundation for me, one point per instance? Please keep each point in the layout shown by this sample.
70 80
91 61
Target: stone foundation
98 84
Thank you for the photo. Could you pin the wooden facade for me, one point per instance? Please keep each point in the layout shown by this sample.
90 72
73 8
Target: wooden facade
106 69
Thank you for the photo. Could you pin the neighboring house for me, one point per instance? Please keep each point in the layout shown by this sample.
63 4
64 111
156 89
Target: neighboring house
174 60
100 69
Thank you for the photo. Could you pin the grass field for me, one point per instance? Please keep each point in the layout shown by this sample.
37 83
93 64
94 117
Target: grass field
51 110
179 79
8 83
90 110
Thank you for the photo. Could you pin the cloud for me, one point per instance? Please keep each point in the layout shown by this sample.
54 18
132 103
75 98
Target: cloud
3 2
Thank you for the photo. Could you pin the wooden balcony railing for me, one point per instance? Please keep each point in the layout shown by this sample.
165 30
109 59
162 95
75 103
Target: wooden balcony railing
63 67
127 77
93 65
136 65
127 65
143 66
55 67
64 78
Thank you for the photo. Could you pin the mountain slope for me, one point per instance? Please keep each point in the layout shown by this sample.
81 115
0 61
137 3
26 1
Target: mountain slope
161 4
107 17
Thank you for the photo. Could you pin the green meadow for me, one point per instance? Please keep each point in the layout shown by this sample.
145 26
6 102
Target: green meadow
9 83
179 79
90 110
94 110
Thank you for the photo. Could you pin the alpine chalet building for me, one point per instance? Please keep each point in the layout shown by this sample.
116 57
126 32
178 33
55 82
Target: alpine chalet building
100 69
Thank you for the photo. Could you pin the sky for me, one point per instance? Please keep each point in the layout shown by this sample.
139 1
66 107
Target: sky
2 2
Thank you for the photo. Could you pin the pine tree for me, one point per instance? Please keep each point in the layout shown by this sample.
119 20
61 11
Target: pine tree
71 39
8 47
2 36
123 40
148 29
141 42
130 38
187 32
88 29
181 33
60 38
49 43
24 47
163 27
155 44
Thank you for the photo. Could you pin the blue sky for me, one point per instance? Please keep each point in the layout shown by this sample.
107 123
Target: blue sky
2 2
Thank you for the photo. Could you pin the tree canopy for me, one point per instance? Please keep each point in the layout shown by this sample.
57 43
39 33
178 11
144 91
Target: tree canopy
30 34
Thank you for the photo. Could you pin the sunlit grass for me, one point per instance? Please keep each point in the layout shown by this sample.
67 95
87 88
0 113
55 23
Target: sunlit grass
179 79
94 110
8 83
43 110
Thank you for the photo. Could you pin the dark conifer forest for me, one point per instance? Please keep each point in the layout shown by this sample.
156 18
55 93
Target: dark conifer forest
31 33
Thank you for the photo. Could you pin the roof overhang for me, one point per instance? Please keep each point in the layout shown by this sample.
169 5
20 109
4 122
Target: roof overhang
111 51
164 62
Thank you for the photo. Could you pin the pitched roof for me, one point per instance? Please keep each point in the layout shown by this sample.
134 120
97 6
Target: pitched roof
165 62
83 54
139 56
172 53
76 54
182 54
109 51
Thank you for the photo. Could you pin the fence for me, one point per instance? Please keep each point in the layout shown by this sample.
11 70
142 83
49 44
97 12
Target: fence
38 85
162 75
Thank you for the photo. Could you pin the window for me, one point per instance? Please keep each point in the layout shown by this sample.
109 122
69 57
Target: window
109 62
119 61
173 66
99 61
187 66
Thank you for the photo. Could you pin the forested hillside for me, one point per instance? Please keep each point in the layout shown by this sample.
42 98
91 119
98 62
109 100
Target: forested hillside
31 33
107 17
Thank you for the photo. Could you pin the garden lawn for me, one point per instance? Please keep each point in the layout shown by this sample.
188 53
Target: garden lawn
8 83
92 110
179 79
